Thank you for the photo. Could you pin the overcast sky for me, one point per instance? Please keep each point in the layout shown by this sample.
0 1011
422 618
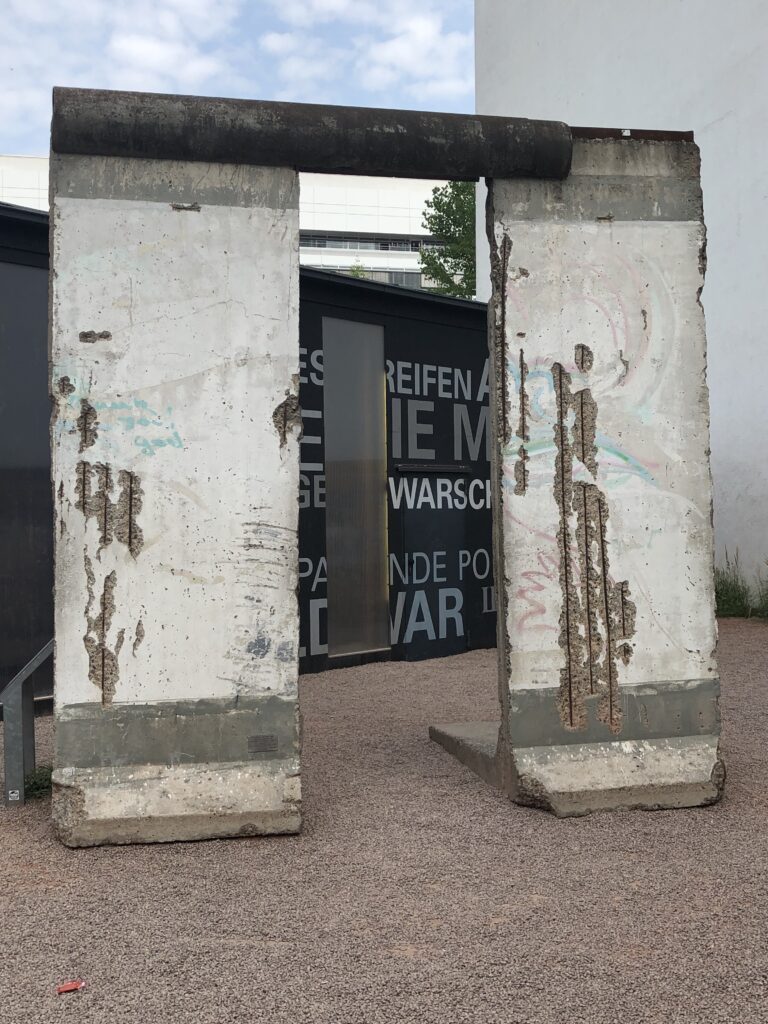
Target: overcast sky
387 53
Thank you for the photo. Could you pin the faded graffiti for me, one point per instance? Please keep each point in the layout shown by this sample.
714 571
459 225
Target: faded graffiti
152 429
534 446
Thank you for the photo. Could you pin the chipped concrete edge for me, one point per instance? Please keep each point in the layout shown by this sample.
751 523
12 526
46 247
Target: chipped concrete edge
661 774
572 780
157 803
497 425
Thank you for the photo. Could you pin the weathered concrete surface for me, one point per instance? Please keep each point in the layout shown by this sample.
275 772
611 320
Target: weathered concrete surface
154 803
174 374
579 778
474 744
608 685
307 136
654 775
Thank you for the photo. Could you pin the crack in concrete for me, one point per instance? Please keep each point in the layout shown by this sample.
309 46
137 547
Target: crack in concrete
138 637
521 466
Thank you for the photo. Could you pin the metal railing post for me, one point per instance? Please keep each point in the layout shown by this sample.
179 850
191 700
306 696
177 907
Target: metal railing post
13 747
18 700
28 724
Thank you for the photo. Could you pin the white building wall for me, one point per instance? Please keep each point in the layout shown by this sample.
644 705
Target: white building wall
363 206
677 65
341 202
24 181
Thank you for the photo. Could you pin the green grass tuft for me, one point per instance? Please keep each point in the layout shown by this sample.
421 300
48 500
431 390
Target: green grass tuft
732 592
38 783
760 603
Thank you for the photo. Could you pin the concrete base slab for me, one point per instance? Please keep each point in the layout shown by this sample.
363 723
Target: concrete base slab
575 779
474 744
157 803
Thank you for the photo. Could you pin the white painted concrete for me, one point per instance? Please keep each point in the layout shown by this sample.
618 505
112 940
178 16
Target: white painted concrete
652 436
607 628
194 314
688 64
202 308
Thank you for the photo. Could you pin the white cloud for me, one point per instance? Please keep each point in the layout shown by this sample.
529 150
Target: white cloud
421 56
153 45
392 46
306 13
385 52
280 43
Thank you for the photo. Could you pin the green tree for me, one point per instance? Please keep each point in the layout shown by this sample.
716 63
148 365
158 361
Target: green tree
358 270
449 216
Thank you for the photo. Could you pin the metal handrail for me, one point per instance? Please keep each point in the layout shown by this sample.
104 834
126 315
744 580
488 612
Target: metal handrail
18 700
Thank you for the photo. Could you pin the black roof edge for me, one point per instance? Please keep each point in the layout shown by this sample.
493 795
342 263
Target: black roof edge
23 213
340 279
39 219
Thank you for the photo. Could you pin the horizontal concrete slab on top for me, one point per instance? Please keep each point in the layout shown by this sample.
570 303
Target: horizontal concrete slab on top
306 136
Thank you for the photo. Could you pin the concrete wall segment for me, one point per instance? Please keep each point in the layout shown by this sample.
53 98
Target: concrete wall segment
603 504
307 137
174 374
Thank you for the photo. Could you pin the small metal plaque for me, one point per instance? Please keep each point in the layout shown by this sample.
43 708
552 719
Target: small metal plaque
262 744
14 794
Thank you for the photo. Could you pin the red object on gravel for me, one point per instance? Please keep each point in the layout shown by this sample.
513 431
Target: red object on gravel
70 986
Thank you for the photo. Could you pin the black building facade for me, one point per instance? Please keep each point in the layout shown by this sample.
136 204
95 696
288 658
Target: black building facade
428 371
395 519
26 504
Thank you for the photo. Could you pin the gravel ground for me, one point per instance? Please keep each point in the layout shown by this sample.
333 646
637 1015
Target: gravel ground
415 893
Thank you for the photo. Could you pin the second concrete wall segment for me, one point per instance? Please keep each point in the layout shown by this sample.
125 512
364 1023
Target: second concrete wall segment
174 363
604 541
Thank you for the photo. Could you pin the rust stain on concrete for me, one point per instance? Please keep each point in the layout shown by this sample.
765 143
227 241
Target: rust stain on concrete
92 489
498 336
103 669
87 424
90 337
118 519
521 466
127 508
571 702
598 618
287 418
